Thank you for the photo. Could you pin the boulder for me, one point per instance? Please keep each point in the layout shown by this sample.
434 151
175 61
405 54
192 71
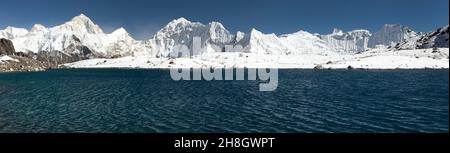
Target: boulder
350 67
318 67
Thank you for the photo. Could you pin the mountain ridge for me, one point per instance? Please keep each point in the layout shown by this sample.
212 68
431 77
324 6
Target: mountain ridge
81 35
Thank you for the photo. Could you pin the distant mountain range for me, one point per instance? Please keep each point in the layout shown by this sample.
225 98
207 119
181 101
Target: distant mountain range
80 38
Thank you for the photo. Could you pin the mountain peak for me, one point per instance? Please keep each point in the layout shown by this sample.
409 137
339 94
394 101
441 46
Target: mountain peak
176 26
337 31
12 32
254 31
81 17
120 31
391 25
397 27
81 24
301 32
177 23
180 20
216 25
9 27
38 27
361 33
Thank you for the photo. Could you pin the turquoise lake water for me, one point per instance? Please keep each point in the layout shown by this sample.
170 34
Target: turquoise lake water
124 101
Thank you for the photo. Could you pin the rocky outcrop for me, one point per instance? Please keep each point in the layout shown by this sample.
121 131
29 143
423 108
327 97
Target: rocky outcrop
57 57
23 64
74 52
12 61
6 47
42 60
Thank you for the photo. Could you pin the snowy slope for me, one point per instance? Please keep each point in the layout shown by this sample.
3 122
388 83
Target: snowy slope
405 59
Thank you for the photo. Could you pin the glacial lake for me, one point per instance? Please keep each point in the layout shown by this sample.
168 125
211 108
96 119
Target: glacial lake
149 101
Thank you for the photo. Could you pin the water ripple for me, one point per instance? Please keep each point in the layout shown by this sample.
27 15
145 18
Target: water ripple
149 101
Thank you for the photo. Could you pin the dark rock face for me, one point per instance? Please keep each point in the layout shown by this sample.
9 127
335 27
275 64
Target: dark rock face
70 54
74 52
6 47
57 57
438 38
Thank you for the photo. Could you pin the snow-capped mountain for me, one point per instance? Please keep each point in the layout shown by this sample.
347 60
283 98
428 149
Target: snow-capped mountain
297 43
391 34
213 36
347 42
303 42
80 31
80 38
260 43
79 25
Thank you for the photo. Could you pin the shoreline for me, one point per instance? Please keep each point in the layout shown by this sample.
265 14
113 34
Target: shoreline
256 68
312 69
375 60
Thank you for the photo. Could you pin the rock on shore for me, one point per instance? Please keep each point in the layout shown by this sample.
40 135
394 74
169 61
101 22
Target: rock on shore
12 63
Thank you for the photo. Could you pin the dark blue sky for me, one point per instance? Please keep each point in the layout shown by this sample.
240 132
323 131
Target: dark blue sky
142 18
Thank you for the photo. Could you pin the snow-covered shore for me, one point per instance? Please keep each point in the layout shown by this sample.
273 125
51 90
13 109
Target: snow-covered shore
374 59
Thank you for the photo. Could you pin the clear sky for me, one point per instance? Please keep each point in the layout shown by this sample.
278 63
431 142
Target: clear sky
142 18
